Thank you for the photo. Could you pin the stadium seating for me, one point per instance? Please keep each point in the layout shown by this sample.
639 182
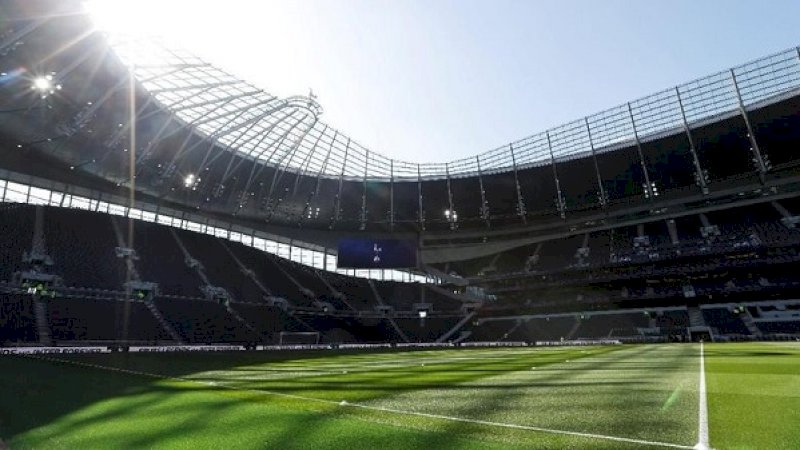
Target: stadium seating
16 228
219 267
784 327
84 319
161 261
17 320
610 325
725 321
82 247
426 330
204 322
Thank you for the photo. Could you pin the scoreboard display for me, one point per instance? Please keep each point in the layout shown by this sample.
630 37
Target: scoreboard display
377 254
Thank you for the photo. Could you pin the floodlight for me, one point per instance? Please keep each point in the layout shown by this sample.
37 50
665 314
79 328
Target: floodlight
43 83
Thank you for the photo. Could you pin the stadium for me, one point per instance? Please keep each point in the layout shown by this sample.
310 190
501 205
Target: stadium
189 261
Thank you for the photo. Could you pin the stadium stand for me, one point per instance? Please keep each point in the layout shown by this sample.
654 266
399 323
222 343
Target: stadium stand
644 220
17 320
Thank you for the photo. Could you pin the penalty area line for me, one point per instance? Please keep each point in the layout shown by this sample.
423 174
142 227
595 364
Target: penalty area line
345 404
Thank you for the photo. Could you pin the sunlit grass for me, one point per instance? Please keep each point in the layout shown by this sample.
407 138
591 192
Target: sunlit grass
422 399
754 395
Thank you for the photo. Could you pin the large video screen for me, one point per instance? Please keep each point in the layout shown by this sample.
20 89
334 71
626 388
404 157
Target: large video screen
377 253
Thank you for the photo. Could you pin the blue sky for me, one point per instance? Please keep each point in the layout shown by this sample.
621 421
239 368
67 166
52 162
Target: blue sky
437 80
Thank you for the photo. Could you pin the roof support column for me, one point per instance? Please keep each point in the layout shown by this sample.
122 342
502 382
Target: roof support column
363 225
452 217
700 175
337 202
391 194
521 210
761 161
309 211
560 196
602 192
420 213
648 188
484 208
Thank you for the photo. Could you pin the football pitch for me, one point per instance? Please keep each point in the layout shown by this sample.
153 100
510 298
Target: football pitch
722 396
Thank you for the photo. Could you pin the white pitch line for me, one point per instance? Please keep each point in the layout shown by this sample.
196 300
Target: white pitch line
522 427
378 408
702 421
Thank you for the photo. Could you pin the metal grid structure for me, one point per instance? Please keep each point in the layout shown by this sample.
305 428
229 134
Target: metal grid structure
287 133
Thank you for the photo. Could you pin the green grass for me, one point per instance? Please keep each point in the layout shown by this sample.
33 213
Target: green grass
754 395
450 399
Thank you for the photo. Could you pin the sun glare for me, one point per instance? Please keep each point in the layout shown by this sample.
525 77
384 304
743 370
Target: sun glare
144 17
215 33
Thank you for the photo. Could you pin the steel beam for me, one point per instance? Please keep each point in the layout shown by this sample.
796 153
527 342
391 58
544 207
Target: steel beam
338 200
322 168
452 219
560 199
421 213
363 224
521 210
484 209
648 189
391 194
602 192
262 136
307 160
196 86
758 158
701 175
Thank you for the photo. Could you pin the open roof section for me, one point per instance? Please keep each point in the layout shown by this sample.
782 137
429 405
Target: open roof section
287 133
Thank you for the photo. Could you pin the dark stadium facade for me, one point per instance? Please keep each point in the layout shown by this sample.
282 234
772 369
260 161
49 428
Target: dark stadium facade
666 218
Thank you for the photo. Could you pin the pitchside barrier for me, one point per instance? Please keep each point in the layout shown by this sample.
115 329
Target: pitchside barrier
581 342
241 348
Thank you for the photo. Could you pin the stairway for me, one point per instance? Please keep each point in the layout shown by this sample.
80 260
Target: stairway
461 323
164 324
573 330
696 318
394 325
463 297
750 323
241 320
42 322
463 336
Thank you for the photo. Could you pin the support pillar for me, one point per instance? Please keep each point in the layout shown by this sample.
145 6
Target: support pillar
521 210
700 175
648 188
761 161
602 191
560 196
484 209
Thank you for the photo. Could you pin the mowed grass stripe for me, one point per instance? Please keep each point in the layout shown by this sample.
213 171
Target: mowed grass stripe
637 392
591 436
630 392
545 359
753 395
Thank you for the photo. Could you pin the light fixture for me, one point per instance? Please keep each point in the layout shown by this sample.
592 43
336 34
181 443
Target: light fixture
43 84
423 313
188 181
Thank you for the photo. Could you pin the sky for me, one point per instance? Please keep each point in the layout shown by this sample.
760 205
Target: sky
433 81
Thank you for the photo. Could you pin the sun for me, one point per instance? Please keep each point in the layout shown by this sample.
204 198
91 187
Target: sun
172 19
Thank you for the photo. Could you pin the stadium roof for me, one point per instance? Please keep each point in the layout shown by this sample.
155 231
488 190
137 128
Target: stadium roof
287 133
